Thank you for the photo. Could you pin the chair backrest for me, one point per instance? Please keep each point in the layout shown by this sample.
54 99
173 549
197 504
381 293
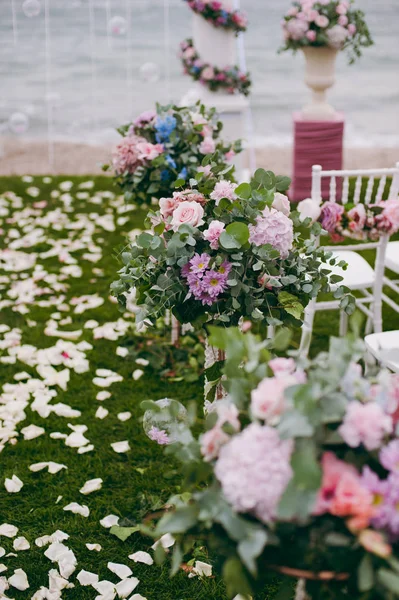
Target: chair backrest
374 193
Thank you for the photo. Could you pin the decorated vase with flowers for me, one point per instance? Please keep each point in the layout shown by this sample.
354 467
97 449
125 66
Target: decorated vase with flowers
218 252
168 145
295 473
321 29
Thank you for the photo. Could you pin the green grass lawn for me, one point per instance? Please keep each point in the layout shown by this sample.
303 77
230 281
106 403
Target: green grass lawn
133 483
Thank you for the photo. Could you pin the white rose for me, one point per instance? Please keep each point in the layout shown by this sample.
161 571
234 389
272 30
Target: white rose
337 36
282 203
189 213
309 208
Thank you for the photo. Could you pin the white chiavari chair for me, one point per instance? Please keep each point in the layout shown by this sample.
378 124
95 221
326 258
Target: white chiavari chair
359 276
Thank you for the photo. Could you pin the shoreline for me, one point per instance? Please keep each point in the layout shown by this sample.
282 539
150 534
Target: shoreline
18 157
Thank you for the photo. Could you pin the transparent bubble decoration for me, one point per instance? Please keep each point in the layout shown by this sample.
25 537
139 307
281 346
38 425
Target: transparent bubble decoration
163 423
31 8
117 26
150 72
18 123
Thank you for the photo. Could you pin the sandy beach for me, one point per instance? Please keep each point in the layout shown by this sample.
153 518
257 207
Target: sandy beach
19 157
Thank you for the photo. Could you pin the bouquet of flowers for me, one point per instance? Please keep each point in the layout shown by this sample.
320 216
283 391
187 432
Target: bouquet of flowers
333 23
356 221
230 78
162 147
214 12
221 252
295 472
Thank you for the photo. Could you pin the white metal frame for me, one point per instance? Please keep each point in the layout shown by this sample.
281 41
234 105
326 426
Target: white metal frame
371 301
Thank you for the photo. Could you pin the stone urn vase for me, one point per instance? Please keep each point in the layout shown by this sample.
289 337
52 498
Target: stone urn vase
319 77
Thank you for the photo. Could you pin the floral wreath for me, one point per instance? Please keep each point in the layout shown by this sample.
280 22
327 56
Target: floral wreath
355 221
214 13
230 79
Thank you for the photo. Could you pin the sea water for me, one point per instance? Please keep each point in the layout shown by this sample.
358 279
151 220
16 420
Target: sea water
85 66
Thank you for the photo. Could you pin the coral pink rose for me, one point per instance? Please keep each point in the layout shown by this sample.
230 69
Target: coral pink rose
357 216
187 213
352 500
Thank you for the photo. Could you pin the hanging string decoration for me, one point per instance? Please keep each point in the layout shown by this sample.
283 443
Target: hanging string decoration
218 16
229 79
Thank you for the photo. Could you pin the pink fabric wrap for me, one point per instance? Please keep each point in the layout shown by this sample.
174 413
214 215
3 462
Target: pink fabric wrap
316 143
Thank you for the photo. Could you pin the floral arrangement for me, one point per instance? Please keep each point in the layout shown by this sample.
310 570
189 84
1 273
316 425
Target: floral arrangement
166 145
230 79
295 472
356 221
332 23
221 252
214 12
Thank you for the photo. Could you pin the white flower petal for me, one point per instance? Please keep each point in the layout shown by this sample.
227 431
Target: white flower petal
32 431
124 416
122 351
120 447
103 396
125 588
85 449
101 413
21 543
95 547
142 557
167 540
92 485
109 521
137 373
13 485
122 571
86 577
19 580
77 509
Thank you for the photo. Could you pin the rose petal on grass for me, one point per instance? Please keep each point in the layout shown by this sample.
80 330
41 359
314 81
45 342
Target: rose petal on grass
21 543
19 580
125 588
109 521
101 413
103 396
77 509
32 431
95 547
86 577
137 373
13 485
122 571
124 416
120 447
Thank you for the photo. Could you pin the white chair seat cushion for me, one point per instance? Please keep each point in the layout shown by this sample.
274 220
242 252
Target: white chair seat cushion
392 257
358 275
385 348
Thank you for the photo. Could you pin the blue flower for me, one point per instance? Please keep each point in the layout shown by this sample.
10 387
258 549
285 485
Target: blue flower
183 173
165 175
164 127
170 161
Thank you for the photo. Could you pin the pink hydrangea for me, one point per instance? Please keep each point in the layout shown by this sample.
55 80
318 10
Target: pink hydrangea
146 117
254 470
296 29
125 157
212 234
207 146
337 36
223 189
365 424
273 228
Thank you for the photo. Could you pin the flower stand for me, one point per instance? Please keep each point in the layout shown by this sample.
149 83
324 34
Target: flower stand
315 142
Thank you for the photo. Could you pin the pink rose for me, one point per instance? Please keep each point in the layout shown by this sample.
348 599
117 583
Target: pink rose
189 53
205 170
388 220
352 29
149 151
208 73
322 21
342 9
125 156
268 401
311 35
281 203
229 155
212 441
292 12
365 424
357 215
282 365
212 234
187 213
167 206
207 146
343 20
228 414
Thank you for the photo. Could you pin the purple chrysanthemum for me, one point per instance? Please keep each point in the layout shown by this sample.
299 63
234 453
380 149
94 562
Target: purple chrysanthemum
225 267
199 263
379 489
158 435
214 283
389 456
